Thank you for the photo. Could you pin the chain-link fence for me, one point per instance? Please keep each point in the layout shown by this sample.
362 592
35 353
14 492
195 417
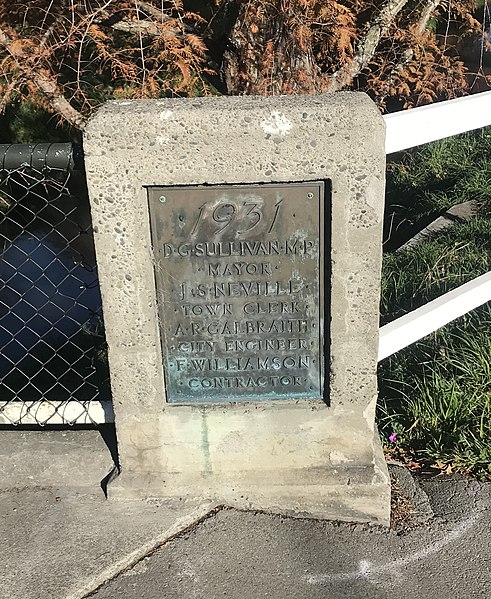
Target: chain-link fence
53 360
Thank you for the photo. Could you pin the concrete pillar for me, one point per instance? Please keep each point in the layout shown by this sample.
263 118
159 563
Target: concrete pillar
306 447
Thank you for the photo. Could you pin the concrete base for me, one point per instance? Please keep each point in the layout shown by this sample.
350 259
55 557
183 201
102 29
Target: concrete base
301 459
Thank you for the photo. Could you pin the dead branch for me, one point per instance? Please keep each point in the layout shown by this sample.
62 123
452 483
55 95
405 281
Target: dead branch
146 28
367 47
151 26
426 12
45 82
138 27
47 33
152 11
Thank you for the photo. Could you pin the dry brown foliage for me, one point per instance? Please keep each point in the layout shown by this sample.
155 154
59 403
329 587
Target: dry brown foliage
69 56
307 46
90 50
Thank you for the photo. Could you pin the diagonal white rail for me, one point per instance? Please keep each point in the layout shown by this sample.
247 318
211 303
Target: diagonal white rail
425 320
410 128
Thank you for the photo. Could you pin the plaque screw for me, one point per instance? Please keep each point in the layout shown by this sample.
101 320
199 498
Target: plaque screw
310 195
162 199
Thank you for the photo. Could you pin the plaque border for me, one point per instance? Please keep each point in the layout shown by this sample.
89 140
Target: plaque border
325 248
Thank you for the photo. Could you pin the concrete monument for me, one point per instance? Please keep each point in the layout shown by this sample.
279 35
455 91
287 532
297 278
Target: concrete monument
239 246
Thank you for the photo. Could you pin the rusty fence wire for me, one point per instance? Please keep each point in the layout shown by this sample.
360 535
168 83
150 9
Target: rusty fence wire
53 359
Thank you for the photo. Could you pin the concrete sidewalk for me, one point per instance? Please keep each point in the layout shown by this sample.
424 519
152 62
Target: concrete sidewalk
59 536
61 540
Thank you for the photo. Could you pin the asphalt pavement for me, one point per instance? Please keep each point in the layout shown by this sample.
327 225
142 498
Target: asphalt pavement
62 542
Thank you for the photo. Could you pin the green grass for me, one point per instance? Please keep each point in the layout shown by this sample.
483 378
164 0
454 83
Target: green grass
436 394
415 276
441 174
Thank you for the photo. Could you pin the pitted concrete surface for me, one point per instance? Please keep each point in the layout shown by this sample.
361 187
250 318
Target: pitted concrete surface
251 555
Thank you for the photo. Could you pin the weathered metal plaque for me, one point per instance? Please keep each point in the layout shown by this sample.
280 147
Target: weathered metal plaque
239 275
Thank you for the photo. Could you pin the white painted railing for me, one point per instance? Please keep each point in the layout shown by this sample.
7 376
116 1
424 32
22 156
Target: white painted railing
410 128
56 412
425 320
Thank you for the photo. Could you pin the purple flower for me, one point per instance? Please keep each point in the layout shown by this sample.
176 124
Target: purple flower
393 438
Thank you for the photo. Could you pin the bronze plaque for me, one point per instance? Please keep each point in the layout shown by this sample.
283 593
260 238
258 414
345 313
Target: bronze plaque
239 276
